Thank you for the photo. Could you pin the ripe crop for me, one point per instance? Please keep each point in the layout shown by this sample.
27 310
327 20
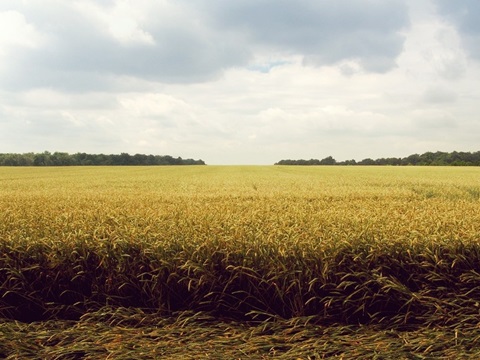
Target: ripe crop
388 246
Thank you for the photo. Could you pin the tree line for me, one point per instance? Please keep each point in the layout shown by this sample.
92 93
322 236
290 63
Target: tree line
65 159
438 158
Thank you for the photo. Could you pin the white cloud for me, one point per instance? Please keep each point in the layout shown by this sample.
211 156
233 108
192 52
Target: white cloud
124 20
16 31
16 34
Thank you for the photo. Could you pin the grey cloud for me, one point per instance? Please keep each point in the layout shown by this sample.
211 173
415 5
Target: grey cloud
78 54
438 124
435 95
464 13
325 32
465 16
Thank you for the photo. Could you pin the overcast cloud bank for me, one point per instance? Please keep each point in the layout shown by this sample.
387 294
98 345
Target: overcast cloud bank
245 82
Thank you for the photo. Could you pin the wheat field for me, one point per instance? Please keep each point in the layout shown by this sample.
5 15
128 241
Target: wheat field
258 261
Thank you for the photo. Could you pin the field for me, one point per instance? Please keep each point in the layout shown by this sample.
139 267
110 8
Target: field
240 262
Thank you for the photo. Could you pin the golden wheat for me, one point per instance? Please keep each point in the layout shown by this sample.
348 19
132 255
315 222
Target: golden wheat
336 244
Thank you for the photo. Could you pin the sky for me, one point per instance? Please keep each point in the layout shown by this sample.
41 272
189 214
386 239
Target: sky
240 82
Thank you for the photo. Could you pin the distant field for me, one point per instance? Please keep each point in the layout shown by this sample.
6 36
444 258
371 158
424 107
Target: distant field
290 261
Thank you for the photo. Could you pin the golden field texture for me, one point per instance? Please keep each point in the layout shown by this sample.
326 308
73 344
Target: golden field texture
395 247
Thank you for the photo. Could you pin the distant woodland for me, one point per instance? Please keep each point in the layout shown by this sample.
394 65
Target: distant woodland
64 159
438 158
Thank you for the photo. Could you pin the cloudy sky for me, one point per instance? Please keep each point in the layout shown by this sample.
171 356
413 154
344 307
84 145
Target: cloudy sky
240 82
